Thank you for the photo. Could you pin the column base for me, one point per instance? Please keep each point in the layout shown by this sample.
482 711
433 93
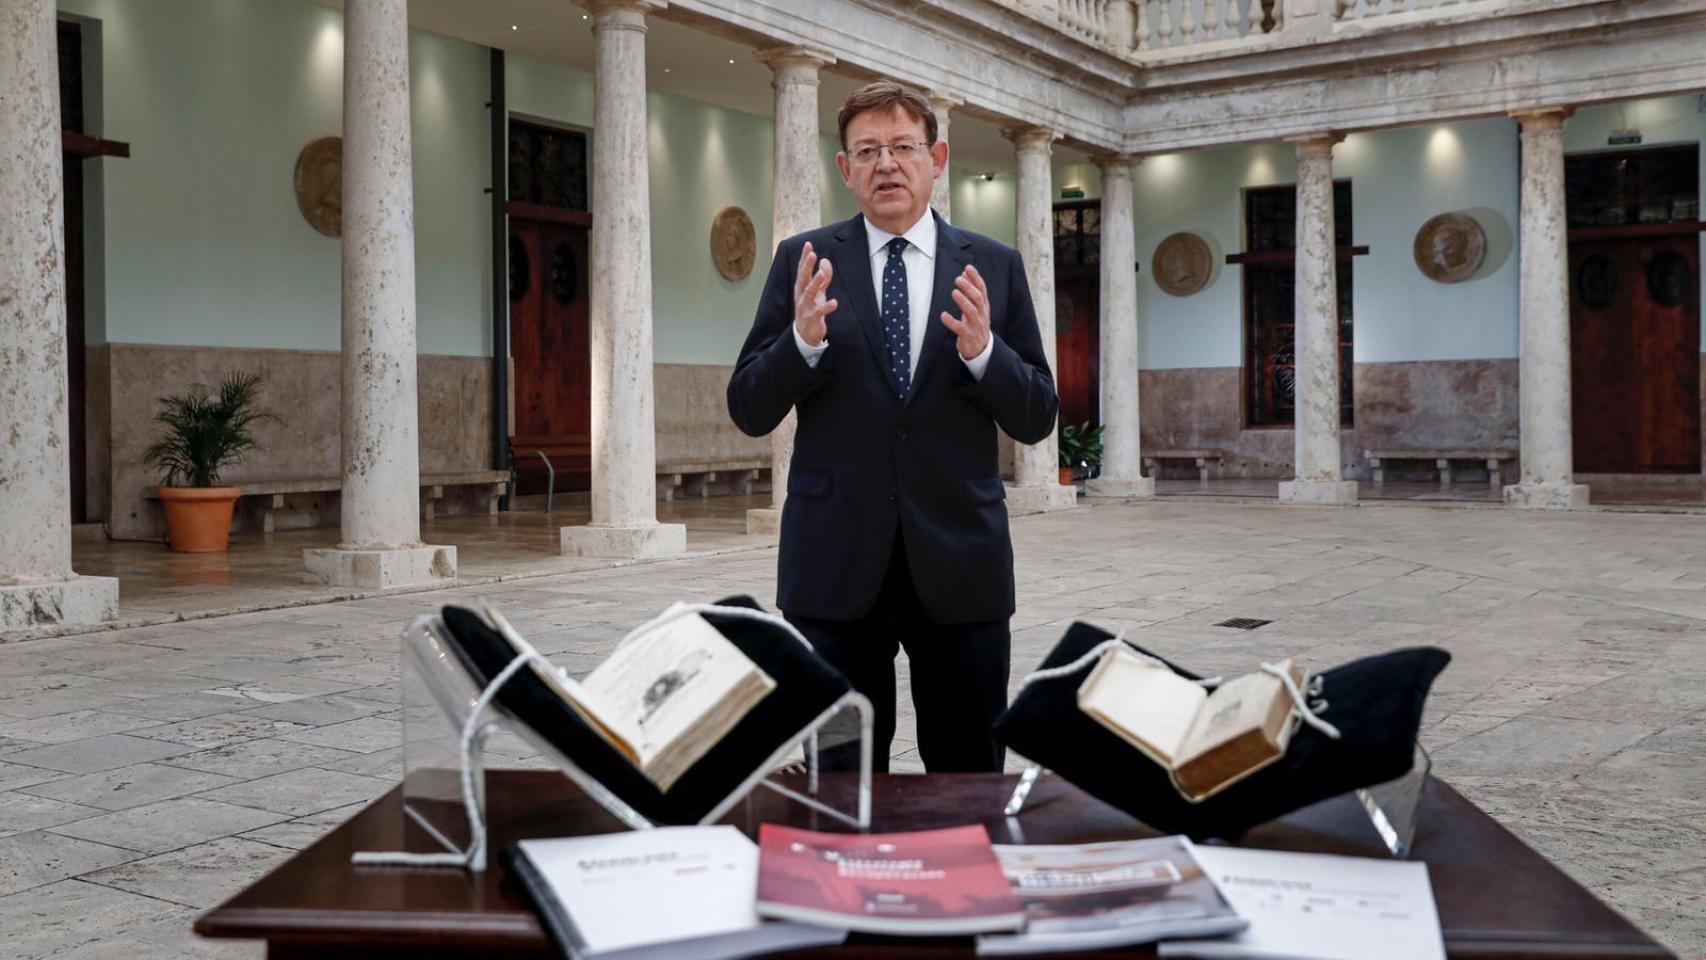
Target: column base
1327 492
1117 487
635 542
378 569
764 522
1547 496
1040 498
52 602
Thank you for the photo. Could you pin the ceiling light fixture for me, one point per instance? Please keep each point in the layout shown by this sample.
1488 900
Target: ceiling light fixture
514 27
731 60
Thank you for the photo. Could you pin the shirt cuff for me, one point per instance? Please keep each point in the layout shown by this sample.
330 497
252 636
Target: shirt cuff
979 363
808 352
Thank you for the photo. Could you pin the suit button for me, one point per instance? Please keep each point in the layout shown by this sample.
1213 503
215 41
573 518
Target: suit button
901 434
893 497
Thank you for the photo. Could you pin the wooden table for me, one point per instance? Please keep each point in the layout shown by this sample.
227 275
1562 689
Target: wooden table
1498 899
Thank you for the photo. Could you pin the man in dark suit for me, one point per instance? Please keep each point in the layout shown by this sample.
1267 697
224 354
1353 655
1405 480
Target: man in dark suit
903 342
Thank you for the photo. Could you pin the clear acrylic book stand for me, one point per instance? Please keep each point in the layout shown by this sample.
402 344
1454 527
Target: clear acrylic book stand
1391 807
444 784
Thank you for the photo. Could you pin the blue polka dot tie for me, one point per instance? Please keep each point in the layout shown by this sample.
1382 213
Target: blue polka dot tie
897 318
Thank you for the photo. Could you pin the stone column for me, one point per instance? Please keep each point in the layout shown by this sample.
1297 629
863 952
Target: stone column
940 193
624 429
798 188
380 544
1036 469
1548 467
1316 345
37 585
1122 460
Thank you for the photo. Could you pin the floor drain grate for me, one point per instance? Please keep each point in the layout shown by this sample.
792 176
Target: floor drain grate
1243 623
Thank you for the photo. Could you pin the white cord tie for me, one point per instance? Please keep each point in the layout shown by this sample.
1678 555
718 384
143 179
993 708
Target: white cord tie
1099 649
1305 708
473 732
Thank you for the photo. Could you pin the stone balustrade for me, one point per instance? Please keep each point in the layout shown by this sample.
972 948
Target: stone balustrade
1188 26
1163 30
1394 12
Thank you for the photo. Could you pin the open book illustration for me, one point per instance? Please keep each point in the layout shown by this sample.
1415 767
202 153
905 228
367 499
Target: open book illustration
1206 740
662 698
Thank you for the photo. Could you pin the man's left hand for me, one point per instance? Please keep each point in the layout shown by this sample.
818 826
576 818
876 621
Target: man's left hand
972 296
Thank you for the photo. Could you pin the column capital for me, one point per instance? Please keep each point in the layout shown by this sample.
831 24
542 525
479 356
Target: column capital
1114 163
1318 144
1540 119
1028 138
943 102
793 58
631 13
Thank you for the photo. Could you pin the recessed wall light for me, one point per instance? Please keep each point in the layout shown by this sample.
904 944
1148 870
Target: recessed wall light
665 69
514 27
731 60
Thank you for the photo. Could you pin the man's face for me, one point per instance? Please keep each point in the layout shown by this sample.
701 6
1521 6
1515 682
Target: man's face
891 193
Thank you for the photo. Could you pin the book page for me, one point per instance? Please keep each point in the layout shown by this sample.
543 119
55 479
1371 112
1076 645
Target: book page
657 687
1235 708
1145 703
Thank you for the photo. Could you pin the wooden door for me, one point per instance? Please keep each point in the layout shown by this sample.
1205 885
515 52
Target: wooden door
1078 349
1635 354
549 337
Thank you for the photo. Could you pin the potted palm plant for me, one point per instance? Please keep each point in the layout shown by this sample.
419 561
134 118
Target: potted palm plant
1080 446
203 433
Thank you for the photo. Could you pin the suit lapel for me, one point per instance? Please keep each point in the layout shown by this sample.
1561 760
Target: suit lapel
852 260
951 259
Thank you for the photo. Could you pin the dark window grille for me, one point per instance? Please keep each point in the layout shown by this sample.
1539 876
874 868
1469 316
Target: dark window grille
1270 306
547 166
1078 233
1653 185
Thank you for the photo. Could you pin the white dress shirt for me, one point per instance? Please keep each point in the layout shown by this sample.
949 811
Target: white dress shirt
919 261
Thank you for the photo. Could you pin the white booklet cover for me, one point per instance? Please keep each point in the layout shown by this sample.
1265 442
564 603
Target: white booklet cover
672 892
1312 906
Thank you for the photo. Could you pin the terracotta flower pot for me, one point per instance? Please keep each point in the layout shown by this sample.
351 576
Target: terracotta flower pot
198 519
1068 476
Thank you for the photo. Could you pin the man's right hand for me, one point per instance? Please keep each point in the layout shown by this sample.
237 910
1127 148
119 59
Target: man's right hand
810 307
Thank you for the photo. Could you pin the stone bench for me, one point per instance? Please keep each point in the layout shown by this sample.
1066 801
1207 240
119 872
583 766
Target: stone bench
273 491
1202 458
676 477
1494 459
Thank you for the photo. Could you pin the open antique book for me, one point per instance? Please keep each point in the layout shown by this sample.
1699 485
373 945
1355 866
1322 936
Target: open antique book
663 698
1205 740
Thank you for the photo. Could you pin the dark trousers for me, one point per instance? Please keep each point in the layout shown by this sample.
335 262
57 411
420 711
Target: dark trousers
959 676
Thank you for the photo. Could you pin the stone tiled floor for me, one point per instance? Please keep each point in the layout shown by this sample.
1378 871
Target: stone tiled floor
147 773
265 570
1685 493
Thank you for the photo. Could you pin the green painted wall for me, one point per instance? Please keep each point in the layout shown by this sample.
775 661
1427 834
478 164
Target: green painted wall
200 238
203 243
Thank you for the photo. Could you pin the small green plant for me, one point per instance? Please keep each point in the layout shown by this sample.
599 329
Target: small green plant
204 433
1081 446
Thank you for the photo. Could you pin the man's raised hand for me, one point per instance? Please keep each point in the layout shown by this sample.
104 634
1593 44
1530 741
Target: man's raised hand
810 307
972 330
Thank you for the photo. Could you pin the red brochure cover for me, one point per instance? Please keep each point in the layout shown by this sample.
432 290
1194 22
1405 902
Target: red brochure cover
911 884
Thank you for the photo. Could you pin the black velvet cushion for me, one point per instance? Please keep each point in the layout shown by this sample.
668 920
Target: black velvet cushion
806 686
1375 702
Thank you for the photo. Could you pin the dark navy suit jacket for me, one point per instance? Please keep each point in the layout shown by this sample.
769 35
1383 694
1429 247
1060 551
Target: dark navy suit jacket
865 462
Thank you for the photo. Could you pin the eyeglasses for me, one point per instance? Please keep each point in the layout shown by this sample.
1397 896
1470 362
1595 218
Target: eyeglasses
901 150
